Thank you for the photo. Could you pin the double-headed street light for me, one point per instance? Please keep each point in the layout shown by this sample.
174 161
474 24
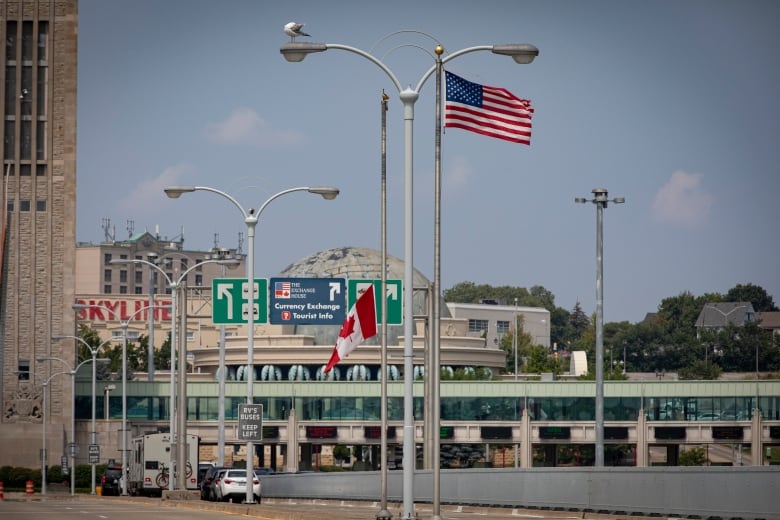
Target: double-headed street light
123 322
250 219
221 253
178 455
93 435
601 200
44 456
522 54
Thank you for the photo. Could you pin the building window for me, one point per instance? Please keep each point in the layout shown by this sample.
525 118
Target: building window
40 205
502 327
24 205
40 170
25 170
122 289
107 258
8 170
106 289
40 142
139 290
479 326
107 275
198 280
132 335
123 276
10 140
139 277
10 206
24 370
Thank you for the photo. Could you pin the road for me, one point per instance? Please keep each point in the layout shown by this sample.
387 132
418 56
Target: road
63 507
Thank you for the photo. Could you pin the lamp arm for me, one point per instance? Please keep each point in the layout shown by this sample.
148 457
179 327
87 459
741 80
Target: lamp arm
371 58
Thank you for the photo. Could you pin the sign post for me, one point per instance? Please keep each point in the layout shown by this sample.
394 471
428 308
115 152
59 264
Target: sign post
94 453
250 422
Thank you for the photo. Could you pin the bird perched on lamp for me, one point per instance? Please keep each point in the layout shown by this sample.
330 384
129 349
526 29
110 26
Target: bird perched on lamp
294 29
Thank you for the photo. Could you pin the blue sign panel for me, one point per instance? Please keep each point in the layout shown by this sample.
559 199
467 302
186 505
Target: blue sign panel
307 301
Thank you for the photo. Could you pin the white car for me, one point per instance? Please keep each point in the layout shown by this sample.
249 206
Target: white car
232 486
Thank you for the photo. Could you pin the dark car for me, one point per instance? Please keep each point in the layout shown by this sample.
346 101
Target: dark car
203 467
111 481
206 484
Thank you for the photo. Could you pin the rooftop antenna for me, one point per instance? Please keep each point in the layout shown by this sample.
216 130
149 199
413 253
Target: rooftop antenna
130 227
105 223
216 240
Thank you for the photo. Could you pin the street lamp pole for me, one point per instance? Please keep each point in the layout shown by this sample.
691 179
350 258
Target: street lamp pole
93 352
600 199
521 53
221 254
123 323
250 219
178 453
44 457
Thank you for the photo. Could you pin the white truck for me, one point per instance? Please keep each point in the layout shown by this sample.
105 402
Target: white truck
149 467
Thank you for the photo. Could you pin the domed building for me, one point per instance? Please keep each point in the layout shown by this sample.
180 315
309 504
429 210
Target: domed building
300 352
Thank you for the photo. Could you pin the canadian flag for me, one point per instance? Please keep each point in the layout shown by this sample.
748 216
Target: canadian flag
359 325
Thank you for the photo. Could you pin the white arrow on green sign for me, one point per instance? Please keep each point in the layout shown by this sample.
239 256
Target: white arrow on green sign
394 298
230 300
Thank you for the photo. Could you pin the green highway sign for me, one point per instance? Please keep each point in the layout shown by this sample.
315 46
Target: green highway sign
394 298
229 301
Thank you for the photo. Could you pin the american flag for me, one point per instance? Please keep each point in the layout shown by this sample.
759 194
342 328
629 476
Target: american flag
282 289
490 111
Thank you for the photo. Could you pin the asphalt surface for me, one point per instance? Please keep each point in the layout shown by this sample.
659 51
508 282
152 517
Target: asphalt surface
304 509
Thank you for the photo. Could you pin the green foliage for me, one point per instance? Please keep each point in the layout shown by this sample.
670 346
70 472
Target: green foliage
757 296
666 340
340 452
14 477
700 369
693 457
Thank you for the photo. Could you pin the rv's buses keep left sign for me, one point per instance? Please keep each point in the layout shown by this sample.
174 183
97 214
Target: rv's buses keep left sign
250 422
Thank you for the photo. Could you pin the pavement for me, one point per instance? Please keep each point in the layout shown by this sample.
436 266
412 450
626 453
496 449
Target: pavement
310 509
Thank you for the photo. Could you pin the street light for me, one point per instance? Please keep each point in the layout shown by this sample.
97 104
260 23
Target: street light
180 454
93 436
44 457
123 324
521 53
250 219
600 199
221 253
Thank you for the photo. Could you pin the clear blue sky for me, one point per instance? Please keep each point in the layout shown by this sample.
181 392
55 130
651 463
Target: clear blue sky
670 104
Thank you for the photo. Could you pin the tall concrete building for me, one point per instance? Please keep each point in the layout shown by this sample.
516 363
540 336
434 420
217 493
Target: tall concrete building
38 225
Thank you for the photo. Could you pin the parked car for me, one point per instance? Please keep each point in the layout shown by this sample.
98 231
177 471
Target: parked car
232 486
207 484
203 467
111 481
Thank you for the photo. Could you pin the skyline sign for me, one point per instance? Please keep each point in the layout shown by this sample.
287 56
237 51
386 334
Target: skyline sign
307 301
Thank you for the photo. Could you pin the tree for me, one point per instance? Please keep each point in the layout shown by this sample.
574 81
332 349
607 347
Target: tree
693 457
91 337
761 300
578 321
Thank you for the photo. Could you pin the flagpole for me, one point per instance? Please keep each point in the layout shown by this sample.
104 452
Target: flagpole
383 513
435 374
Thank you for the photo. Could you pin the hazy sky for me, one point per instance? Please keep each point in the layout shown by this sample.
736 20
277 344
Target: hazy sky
670 104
